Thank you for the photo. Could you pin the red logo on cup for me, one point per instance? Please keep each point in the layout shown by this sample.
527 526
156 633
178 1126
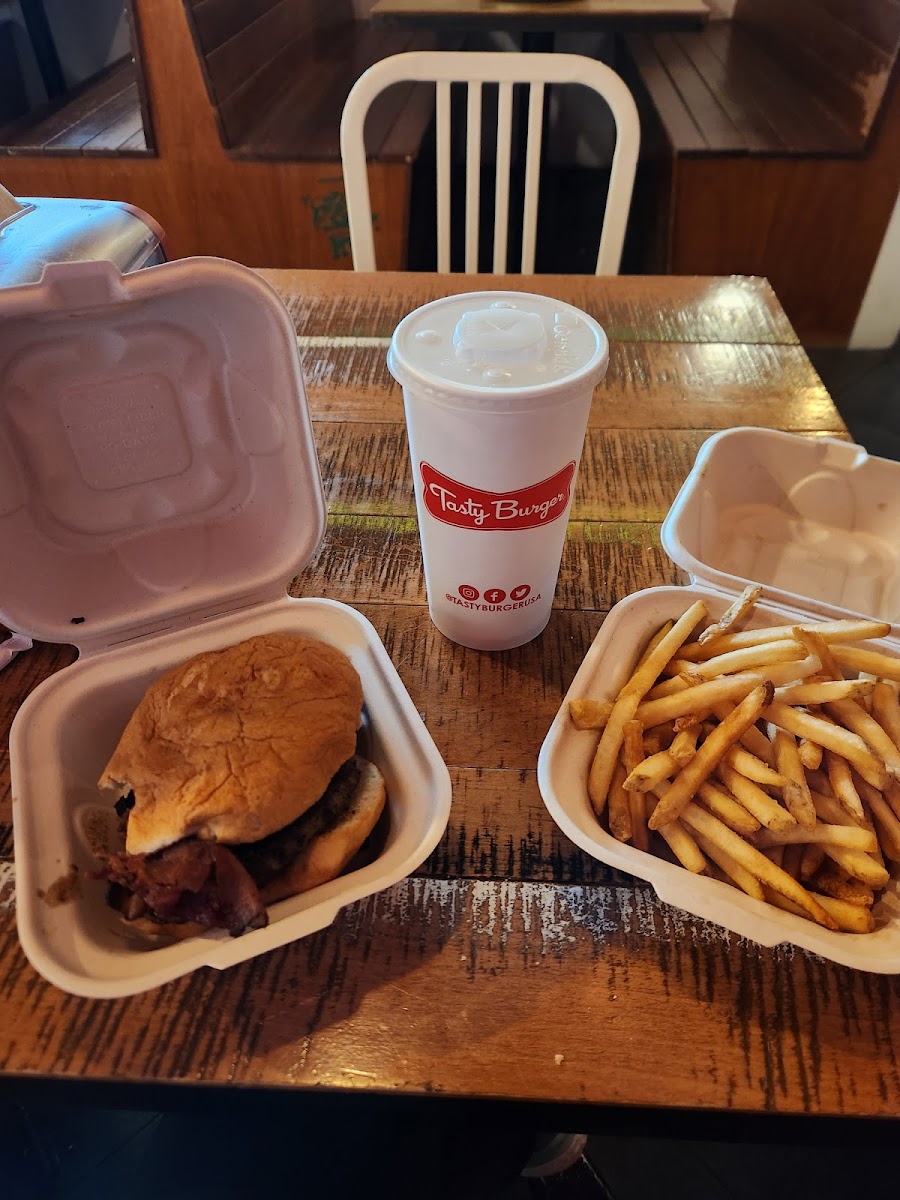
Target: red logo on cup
468 592
495 595
520 592
467 507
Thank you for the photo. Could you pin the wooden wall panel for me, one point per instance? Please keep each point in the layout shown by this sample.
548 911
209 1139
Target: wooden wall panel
260 214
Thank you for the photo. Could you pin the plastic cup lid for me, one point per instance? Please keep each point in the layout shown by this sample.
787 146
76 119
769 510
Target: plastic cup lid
490 349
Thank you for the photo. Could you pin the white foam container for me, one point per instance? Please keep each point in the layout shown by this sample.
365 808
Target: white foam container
801 493
159 485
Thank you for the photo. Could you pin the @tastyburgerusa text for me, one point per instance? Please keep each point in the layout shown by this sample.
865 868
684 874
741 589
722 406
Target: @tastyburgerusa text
476 606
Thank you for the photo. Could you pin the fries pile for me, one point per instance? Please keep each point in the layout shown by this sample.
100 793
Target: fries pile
750 756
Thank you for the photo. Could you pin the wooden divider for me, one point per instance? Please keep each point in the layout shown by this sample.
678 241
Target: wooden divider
771 146
207 196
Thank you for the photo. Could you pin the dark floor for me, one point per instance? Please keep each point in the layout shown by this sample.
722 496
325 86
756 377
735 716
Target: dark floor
91 1155
865 386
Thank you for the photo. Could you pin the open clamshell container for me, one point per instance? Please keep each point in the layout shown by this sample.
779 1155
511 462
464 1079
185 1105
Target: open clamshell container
159 488
816 522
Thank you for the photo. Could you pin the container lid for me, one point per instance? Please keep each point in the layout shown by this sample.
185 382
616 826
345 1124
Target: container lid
815 521
498 350
157 463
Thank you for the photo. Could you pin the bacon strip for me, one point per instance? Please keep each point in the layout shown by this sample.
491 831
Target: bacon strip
191 881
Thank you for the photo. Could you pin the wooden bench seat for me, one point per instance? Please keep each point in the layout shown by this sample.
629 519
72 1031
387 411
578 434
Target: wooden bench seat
103 116
303 123
278 73
769 147
722 91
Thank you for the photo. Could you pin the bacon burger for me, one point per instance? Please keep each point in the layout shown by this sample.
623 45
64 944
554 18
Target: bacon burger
239 786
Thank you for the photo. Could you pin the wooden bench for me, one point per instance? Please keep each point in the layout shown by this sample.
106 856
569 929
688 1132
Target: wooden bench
771 148
244 99
103 116
279 71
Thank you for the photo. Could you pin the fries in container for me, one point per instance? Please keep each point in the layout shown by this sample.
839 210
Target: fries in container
696 795
777 814
783 792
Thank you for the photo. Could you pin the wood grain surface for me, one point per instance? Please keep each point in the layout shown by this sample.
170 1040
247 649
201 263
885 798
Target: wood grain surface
511 965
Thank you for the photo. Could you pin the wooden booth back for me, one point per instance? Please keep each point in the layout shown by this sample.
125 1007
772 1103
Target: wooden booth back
842 51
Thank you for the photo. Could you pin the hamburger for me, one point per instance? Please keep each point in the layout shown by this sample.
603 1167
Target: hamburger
239 785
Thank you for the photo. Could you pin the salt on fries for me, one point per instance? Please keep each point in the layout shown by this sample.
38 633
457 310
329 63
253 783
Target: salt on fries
748 756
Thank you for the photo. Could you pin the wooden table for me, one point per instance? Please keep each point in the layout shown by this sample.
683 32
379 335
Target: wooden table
534 16
511 965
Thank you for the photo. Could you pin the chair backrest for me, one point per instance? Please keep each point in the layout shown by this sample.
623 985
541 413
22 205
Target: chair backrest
504 69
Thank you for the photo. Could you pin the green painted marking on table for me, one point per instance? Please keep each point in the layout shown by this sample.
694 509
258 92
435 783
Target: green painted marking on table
633 533
326 341
382 515
380 520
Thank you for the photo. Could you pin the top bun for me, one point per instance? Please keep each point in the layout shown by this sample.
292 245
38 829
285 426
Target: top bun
234 744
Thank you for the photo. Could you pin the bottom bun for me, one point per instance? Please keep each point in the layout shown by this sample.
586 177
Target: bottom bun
164 932
327 855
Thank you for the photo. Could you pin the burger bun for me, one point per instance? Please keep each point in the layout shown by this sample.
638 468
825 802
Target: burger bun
234 744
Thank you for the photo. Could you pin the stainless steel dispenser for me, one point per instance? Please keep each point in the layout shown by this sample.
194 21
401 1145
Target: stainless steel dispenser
35 231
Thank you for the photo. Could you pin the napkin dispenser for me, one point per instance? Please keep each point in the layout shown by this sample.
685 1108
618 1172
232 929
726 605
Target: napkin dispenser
35 231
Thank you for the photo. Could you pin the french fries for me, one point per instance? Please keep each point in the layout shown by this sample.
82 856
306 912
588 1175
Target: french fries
590 714
746 881
684 847
841 780
729 810
810 753
796 795
831 737
632 757
759 758
619 806
752 767
698 699
830 631
886 710
734 617
628 699
754 861
765 808
748 659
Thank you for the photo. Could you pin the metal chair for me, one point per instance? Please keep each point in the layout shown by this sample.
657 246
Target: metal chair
475 69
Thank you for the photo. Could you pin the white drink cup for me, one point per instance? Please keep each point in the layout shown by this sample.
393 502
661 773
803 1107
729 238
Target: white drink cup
497 388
